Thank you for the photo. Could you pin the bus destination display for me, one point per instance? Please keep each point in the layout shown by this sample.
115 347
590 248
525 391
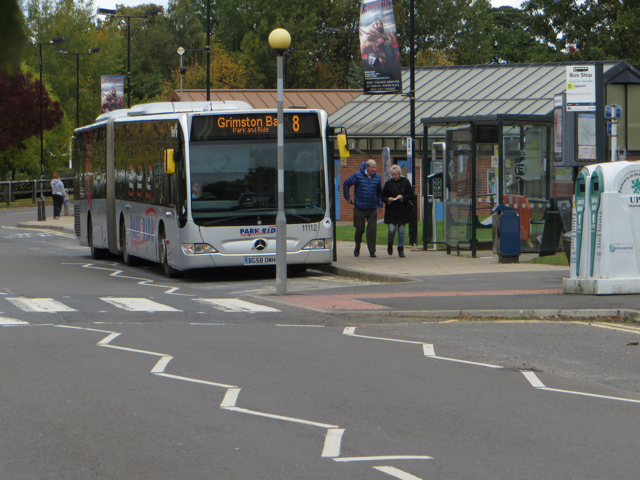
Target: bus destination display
254 126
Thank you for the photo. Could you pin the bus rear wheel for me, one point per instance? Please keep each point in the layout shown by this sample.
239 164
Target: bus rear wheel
128 259
169 271
96 253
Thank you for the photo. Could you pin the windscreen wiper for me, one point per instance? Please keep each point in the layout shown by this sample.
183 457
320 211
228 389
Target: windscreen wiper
215 222
299 217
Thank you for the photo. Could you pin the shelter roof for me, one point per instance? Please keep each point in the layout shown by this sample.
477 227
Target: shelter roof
328 100
476 91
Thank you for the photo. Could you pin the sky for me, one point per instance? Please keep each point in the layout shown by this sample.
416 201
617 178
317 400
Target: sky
132 3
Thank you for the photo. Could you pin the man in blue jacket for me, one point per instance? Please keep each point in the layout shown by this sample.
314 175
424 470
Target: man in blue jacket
367 189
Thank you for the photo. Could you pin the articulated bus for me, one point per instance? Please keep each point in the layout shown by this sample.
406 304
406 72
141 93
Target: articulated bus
194 185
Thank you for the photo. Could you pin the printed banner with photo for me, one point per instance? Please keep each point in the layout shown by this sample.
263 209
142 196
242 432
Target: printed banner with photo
379 47
112 93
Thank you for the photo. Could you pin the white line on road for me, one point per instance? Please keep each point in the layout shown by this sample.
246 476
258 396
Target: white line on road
428 350
193 380
280 417
83 328
161 364
379 458
332 442
12 321
466 361
230 398
307 326
134 350
395 472
234 305
41 305
533 379
107 340
138 304
591 395
349 330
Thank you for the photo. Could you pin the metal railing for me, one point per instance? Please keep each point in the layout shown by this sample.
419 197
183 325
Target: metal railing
9 192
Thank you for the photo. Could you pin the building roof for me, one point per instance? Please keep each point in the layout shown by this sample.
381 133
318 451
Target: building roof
328 100
450 93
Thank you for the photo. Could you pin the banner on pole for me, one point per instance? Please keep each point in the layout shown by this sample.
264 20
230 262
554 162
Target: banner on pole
379 47
112 93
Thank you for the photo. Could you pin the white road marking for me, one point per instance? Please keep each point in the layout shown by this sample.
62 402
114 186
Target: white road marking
428 350
161 365
307 326
395 472
194 380
107 340
230 398
349 331
280 417
386 457
134 350
12 321
332 442
234 305
42 305
621 399
87 329
138 304
488 365
533 380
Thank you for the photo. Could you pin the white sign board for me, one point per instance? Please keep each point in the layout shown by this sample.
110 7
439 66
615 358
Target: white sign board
581 88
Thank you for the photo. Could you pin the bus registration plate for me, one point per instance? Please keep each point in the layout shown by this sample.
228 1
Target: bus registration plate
259 260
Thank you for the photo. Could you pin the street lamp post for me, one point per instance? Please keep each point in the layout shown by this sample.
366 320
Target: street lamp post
112 13
42 215
279 40
65 52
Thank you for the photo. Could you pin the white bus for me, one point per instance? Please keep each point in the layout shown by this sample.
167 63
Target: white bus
194 185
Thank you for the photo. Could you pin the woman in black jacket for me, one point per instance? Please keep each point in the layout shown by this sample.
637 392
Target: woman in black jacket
398 197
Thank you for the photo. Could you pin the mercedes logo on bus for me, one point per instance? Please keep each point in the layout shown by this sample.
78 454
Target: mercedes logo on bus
260 245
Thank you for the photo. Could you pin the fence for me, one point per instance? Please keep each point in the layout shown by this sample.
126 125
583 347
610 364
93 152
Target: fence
29 188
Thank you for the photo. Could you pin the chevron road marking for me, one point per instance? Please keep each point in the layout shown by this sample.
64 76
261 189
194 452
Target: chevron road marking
395 472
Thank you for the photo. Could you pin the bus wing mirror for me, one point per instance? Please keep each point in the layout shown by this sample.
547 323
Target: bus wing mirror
342 146
169 162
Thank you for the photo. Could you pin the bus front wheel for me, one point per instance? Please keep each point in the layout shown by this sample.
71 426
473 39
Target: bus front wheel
96 253
169 271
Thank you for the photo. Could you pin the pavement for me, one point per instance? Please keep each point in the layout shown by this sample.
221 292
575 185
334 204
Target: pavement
434 268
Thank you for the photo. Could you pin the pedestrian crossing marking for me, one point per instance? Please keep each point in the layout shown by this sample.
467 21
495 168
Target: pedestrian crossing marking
234 305
43 305
138 304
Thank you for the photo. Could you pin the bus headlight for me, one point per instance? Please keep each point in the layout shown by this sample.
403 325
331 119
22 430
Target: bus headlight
197 248
319 244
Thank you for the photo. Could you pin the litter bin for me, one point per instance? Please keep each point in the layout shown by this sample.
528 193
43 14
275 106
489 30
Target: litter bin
506 234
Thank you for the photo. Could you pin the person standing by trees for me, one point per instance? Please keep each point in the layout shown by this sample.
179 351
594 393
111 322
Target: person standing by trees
58 194
367 188
398 197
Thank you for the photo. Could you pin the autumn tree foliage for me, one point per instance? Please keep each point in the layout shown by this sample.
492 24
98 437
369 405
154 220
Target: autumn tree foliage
20 109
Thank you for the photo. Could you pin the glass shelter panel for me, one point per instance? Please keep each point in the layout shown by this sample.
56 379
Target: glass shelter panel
458 204
527 178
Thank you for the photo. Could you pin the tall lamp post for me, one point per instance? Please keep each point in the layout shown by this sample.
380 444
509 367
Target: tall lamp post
65 52
112 13
279 40
42 216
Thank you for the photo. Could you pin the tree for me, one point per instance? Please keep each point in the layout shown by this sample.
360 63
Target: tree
595 29
13 40
514 40
20 112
